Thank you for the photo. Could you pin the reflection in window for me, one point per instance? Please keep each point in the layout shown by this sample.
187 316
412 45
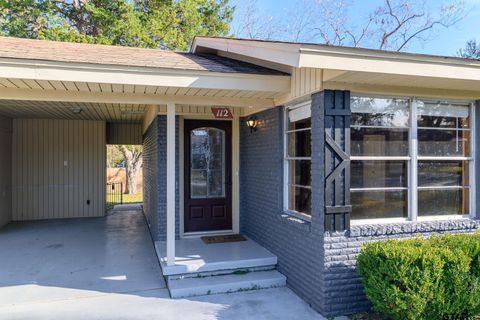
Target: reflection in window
379 130
443 182
207 163
381 157
298 158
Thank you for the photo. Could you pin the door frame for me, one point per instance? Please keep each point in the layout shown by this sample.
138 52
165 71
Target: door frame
235 175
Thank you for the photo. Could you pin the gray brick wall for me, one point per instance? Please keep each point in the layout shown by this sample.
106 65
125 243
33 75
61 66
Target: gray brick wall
342 289
150 177
297 243
155 182
342 285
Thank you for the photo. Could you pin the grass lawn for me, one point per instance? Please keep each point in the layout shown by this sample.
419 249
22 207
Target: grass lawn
113 199
133 198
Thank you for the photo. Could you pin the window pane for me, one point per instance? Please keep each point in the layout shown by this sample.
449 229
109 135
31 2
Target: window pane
215 183
443 173
443 202
379 174
299 172
301 124
198 183
379 112
379 204
207 163
299 199
379 142
443 115
434 142
299 144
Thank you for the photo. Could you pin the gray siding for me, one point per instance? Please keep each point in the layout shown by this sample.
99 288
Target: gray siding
155 183
297 243
5 171
58 169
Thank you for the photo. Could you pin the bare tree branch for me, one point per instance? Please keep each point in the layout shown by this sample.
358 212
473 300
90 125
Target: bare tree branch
393 25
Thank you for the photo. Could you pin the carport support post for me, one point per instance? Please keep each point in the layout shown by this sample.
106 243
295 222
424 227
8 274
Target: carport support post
170 183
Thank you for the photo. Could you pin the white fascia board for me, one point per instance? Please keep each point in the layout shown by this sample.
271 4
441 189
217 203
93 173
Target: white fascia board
390 63
346 59
277 52
58 71
129 98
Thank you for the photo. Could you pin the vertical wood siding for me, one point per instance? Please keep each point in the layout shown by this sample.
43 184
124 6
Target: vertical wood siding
5 171
305 81
124 133
58 165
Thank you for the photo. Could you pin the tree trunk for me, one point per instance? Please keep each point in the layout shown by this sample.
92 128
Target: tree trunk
131 170
133 162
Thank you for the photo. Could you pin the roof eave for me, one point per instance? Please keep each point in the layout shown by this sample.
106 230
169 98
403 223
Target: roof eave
134 75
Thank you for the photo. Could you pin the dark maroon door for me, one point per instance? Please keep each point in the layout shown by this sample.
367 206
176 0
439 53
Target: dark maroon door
208 175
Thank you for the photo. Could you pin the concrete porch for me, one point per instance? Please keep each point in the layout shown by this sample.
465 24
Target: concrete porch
203 269
106 268
194 256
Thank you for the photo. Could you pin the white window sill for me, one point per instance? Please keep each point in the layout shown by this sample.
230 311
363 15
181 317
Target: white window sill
298 215
361 222
377 221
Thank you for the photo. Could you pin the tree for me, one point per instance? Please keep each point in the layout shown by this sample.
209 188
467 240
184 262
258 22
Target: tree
471 50
255 24
393 25
138 23
114 156
133 162
131 157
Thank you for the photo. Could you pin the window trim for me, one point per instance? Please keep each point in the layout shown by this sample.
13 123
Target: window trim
412 163
287 158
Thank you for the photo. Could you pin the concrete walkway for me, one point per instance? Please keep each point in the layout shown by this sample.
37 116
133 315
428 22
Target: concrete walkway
106 268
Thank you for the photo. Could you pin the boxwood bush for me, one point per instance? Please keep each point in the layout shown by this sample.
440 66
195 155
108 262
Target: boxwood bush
432 278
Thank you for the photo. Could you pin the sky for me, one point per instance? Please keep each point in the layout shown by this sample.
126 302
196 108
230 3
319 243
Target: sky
446 42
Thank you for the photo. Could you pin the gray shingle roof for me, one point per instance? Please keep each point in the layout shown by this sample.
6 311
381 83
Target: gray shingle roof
17 48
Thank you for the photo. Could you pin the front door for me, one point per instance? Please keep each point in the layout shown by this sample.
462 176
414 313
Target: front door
208 175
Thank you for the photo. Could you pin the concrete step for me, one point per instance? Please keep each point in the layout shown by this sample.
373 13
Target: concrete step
234 282
220 272
194 256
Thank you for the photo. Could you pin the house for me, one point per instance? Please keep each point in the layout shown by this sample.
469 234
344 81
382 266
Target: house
308 150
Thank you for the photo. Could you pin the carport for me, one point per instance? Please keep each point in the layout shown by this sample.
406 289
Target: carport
54 156
61 103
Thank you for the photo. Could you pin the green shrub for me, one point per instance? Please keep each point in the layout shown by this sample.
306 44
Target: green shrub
434 278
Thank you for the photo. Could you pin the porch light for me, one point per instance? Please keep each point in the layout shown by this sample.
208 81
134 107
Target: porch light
252 123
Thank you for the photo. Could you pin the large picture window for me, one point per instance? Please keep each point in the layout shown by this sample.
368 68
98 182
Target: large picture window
298 158
409 158
379 154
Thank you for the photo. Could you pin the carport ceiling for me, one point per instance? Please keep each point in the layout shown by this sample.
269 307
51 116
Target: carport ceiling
110 112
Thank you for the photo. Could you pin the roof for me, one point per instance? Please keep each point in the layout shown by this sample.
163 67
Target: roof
17 48
311 45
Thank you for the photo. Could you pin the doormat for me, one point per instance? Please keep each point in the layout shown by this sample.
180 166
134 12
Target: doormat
222 239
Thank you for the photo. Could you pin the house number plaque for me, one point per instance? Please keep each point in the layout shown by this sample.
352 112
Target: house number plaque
222 113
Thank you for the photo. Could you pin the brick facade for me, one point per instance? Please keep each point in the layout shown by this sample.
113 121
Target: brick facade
154 175
150 177
320 265
341 281
297 243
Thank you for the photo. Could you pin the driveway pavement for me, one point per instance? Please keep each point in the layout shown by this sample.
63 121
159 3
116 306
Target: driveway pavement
106 268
